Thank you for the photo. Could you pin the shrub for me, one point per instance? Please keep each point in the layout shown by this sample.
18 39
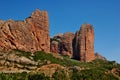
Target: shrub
23 53
92 74
6 77
38 77
60 74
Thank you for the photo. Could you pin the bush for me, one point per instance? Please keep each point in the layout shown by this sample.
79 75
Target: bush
92 74
53 39
23 76
6 77
38 77
60 74
23 53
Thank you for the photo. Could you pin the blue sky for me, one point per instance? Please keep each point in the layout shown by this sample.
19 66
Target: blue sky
69 15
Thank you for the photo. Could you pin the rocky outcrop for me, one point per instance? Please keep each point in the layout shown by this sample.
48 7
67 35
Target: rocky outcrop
54 46
55 43
62 44
79 46
66 44
83 43
32 34
98 56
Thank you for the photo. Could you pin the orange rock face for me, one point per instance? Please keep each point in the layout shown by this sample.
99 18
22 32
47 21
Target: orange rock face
84 44
66 44
54 47
55 43
62 44
79 46
31 34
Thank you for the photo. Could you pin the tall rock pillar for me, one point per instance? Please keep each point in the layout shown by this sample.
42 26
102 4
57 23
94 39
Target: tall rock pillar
84 44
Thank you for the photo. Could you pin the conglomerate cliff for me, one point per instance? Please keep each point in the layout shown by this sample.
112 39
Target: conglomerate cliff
32 34
79 46
83 43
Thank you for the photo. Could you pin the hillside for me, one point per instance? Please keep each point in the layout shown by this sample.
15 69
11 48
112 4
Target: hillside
21 65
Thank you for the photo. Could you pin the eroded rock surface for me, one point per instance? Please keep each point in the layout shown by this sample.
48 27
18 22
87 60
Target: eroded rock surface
62 44
79 46
54 47
32 34
83 43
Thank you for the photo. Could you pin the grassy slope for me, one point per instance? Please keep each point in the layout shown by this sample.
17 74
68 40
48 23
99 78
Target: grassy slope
74 70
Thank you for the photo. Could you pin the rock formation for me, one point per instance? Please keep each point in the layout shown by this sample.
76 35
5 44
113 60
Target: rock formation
31 34
66 44
83 44
54 46
79 46
62 44
98 56
55 43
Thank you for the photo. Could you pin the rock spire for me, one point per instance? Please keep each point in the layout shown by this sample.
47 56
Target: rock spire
83 44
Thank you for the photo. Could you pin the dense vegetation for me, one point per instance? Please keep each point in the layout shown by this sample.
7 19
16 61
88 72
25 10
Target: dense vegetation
23 76
74 70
